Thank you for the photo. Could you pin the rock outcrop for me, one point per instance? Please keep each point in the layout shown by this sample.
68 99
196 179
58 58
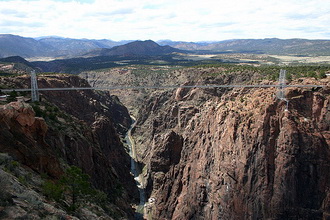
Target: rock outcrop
23 136
237 154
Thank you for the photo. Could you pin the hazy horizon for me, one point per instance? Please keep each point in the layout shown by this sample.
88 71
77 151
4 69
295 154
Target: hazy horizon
131 40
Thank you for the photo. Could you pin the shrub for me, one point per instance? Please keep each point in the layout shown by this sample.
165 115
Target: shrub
74 185
22 180
322 75
12 96
99 197
312 74
12 167
38 111
53 191
52 116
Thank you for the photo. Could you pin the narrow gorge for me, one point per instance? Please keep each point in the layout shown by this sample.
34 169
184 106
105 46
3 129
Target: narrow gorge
231 153
185 153
136 171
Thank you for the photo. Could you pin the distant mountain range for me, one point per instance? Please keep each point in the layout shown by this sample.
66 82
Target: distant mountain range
137 52
13 45
258 46
58 47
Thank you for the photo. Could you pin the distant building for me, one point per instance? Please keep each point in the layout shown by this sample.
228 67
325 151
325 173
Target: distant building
3 98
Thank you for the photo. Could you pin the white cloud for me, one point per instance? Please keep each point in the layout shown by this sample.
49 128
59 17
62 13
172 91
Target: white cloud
189 20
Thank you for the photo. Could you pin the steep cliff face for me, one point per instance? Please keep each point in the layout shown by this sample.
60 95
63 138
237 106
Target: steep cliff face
23 136
86 131
237 154
108 120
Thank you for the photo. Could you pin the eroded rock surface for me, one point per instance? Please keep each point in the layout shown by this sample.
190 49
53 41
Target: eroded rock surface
23 136
85 131
237 154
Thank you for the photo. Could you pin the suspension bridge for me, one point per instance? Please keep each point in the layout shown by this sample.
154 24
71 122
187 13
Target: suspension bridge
280 86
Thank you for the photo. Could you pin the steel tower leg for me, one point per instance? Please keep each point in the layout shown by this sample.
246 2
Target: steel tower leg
282 86
34 87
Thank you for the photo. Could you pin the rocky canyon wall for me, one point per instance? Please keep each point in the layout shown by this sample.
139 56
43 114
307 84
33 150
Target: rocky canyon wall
86 131
237 154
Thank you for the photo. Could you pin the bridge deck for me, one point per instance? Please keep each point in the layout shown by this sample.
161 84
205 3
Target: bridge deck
160 87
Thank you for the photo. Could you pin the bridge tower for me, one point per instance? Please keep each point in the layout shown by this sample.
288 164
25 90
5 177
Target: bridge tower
282 86
34 87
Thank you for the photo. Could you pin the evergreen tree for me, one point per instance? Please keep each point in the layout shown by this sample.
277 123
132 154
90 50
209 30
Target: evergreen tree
77 185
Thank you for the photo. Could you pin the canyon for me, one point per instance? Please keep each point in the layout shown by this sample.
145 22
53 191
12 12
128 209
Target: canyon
231 153
204 153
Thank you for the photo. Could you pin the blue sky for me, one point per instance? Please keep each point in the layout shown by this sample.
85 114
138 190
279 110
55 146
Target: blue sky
184 20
